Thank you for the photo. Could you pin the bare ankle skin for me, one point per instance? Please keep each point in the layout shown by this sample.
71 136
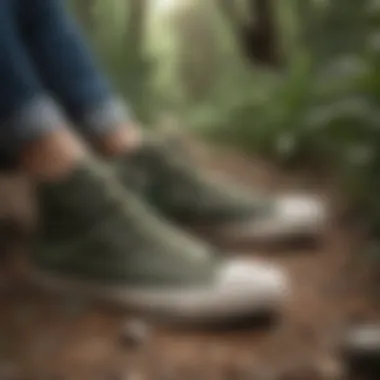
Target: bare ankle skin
52 156
125 139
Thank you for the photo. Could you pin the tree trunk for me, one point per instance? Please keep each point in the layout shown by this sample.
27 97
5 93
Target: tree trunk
135 31
258 38
136 65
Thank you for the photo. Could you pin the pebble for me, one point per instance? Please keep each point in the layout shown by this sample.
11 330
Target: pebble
363 338
135 333
330 369
361 350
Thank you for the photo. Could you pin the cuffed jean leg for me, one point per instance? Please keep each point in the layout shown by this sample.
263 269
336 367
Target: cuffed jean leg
68 68
26 110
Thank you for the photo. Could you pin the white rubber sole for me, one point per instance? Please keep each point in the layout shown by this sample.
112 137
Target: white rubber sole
242 289
294 218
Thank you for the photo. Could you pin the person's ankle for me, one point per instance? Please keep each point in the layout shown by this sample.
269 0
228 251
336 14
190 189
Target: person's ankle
52 156
123 140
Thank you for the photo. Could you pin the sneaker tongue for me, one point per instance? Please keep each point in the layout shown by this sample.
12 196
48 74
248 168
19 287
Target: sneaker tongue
180 192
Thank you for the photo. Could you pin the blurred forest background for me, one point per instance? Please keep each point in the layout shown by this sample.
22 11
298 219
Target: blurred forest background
293 81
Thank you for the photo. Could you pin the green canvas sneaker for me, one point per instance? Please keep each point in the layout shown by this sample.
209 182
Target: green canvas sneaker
98 240
170 184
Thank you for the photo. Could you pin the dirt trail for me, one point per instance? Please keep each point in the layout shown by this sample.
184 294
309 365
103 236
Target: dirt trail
44 337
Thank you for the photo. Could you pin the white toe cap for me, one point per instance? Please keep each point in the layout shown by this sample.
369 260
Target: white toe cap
301 209
291 216
241 287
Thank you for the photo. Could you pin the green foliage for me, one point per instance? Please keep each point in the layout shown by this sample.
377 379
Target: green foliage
323 107
123 56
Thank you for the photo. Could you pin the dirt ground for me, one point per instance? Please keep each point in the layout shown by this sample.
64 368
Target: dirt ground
48 337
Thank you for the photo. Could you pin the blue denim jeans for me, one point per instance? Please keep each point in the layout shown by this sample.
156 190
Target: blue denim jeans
48 76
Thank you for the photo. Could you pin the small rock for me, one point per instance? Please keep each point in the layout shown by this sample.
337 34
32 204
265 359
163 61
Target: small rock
361 350
330 369
134 334
364 338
